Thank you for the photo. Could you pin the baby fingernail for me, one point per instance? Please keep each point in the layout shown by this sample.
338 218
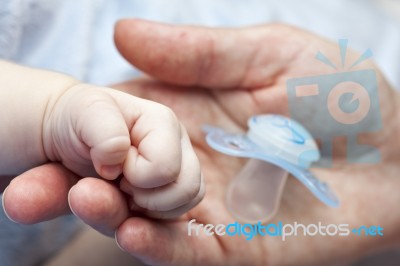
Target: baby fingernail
111 171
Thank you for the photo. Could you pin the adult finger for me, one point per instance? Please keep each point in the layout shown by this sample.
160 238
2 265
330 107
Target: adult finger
209 57
99 204
160 243
39 194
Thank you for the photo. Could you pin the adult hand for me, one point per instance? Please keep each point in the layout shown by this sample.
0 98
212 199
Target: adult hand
222 77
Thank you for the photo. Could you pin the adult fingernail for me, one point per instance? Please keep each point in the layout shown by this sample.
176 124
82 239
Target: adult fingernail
116 241
4 208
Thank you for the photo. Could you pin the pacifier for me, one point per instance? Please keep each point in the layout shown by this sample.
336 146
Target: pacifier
276 146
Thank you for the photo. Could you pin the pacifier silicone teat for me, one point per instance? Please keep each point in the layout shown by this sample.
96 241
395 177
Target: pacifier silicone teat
275 145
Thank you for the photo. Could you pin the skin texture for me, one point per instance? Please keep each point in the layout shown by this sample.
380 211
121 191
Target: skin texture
222 77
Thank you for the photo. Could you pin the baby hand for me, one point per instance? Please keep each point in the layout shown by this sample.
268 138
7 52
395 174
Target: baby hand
100 131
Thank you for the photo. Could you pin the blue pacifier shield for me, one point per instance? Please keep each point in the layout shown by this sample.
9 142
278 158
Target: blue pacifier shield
277 140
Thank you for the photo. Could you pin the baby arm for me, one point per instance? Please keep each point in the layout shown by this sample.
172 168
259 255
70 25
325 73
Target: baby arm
25 95
96 131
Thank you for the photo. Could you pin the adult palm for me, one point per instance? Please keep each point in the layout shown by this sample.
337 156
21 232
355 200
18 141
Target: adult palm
222 77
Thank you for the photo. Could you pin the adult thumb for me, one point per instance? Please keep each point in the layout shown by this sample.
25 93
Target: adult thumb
201 56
